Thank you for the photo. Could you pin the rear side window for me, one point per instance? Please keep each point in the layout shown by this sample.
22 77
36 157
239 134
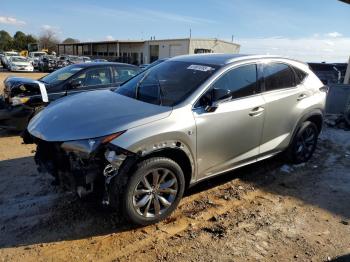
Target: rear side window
123 74
278 76
241 81
300 75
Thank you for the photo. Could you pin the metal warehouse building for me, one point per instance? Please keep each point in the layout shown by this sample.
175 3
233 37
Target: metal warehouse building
143 52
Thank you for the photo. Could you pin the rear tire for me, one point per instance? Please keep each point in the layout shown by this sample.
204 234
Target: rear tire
304 143
153 191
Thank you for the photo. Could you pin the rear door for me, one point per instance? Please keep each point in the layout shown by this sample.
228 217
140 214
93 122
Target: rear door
91 79
230 135
283 95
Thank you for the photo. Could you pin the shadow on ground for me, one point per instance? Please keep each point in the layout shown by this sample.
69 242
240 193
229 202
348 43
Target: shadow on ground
36 212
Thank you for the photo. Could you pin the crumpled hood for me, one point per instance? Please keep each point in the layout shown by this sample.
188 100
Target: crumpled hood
93 114
12 80
21 86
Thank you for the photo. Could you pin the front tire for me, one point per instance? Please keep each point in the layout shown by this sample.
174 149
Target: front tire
304 143
153 191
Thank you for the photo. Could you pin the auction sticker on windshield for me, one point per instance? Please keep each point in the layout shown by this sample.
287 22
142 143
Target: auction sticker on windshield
200 68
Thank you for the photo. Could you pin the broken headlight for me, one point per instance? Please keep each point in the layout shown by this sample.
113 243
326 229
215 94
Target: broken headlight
88 146
19 100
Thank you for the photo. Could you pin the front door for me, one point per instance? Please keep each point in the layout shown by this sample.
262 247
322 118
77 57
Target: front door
91 79
231 134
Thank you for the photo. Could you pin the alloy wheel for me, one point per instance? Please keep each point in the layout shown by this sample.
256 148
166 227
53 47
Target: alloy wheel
155 192
306 144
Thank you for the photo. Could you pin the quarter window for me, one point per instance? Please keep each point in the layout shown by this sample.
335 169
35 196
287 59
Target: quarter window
300 75
241 82
278 76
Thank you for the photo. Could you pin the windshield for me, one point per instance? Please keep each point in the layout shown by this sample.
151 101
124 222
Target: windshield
19 59
157 62
168 83
61 74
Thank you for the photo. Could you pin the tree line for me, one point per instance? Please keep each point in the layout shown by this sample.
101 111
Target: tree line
19 41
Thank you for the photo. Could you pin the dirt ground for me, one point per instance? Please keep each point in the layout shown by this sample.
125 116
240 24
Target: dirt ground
269 211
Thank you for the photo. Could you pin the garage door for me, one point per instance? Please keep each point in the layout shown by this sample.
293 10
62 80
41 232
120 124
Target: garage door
175 50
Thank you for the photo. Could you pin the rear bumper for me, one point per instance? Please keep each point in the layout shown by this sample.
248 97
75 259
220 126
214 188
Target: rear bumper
14 118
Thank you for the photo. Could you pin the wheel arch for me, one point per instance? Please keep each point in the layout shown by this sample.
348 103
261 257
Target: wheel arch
315 116
177 154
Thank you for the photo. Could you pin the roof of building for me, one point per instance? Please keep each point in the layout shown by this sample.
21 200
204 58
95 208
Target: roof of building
144 41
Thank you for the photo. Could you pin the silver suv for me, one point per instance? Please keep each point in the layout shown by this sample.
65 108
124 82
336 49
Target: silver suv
185 120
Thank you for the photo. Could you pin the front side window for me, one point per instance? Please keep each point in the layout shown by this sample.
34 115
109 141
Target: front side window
61 74
168 83
240 82
278 76
95 77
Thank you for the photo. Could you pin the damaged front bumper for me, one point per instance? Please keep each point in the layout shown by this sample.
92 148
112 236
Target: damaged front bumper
14 117
84 166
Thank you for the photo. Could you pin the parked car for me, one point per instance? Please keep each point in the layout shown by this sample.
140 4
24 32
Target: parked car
86 59
100 60
75 60
62 61
143 66
1 57
24 97
34 57
188 119
66 60
47 63
20 64
6 57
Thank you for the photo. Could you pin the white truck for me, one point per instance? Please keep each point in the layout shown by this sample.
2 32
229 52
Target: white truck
34 57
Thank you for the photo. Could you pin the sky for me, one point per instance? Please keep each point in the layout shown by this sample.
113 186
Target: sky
308 30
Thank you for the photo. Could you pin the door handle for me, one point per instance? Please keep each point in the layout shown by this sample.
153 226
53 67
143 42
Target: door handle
257 111
302 97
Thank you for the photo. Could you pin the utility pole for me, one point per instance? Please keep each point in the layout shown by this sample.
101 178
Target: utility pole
190 33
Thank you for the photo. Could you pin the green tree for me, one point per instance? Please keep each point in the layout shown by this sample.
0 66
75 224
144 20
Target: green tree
31 39
70 40
6 41
20 41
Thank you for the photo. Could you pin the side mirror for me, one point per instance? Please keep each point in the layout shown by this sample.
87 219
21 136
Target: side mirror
218 95
76 83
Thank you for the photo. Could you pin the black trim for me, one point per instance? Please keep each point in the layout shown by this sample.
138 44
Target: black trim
315 112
